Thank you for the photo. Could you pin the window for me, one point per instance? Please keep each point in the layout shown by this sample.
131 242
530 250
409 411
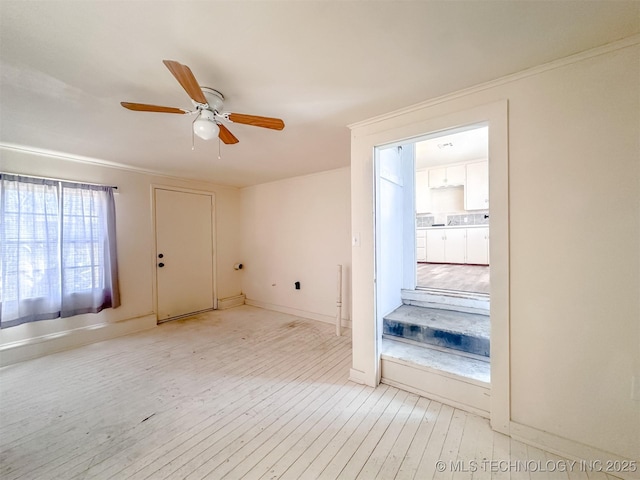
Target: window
57 249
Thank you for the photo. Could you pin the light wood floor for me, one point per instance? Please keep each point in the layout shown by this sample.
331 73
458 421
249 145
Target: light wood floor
463 278
242 393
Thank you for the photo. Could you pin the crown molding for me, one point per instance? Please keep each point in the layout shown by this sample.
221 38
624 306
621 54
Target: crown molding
74 158
545 67
101 163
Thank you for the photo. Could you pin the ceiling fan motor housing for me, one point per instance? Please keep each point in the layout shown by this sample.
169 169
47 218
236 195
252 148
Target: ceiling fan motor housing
215 99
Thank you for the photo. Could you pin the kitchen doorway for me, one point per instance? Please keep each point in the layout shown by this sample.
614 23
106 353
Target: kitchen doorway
432 254
452 211
377 357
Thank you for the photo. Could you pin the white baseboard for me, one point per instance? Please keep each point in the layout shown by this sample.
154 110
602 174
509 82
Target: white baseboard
22 350
299 313
230 302
589 459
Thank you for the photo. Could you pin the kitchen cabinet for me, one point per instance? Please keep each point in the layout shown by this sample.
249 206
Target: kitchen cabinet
446 245
423 194
421 245
435 245
447 176
478 245
455 245
476 191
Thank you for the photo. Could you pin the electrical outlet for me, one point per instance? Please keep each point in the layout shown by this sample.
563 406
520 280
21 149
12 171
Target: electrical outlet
635 388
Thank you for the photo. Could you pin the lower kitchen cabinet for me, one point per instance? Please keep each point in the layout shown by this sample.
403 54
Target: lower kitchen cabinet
478 246
435 246
421 245
453 245
446 245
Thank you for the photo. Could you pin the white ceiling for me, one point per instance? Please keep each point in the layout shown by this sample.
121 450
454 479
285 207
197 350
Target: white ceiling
461 145
319 65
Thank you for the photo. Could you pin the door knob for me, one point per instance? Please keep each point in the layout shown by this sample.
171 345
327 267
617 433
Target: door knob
161 265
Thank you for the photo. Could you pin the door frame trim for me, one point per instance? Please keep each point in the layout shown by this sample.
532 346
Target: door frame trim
158 186
400 127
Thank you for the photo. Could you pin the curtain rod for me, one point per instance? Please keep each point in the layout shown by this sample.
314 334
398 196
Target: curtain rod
61 180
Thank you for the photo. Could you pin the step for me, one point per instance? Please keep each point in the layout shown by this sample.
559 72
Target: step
448 300
448 362
467 332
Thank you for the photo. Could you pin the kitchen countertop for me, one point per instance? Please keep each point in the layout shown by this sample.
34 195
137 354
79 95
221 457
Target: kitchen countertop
452 226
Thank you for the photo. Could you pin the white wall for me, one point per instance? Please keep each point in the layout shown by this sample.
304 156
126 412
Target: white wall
447 200
574 242
135 237
297 230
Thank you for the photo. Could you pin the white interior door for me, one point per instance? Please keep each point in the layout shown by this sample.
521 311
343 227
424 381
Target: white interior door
184 249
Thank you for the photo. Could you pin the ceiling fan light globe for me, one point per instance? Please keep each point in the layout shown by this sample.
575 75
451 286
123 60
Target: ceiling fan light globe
205 129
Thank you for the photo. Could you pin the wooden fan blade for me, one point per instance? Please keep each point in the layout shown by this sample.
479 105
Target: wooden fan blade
186 79
226 136
265 122
142 107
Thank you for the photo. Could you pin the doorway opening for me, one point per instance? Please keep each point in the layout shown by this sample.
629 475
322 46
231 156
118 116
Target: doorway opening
432 251
452 211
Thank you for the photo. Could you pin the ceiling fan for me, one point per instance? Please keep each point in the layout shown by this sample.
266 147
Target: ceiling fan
208 104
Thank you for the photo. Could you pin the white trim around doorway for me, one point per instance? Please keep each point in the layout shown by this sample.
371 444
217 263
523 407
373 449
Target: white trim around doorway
154 188
398 128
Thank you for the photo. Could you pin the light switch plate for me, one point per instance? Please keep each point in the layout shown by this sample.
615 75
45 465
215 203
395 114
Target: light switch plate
355 240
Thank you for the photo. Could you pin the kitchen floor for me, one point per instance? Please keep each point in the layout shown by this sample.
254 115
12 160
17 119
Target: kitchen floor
444 276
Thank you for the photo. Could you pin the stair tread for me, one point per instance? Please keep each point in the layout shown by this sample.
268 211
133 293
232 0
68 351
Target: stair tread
462 323
447 362
427 293
448 300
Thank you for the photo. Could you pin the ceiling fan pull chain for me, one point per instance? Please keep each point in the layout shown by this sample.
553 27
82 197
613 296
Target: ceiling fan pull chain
219 157
193 140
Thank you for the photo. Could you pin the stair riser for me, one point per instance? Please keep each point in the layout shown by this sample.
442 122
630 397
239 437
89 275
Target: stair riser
445 306
471 303
430 336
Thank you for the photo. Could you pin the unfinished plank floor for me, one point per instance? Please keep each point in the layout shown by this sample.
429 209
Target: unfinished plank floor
241 393
464 278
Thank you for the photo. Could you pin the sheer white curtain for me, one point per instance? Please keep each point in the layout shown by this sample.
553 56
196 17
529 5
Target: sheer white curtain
57 249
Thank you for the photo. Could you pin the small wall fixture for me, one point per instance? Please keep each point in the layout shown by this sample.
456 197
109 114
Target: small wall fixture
297 284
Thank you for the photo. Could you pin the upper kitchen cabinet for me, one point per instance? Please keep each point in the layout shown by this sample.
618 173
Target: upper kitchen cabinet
423 194
476 192
447 176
